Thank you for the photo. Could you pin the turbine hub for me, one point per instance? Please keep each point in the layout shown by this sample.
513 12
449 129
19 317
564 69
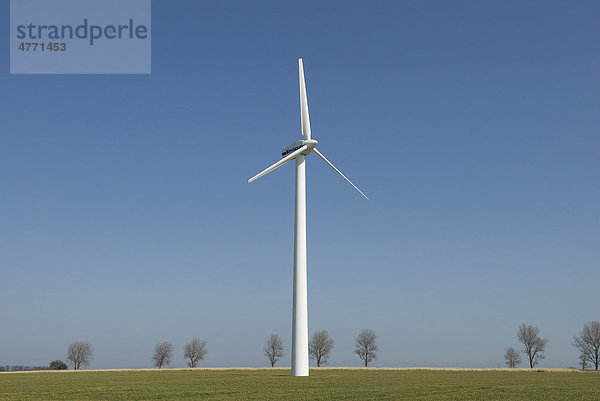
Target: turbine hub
311 143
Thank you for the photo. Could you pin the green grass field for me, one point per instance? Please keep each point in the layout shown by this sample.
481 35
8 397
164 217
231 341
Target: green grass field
323 384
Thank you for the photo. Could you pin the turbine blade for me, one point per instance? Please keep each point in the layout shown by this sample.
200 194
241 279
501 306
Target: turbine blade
339 172
279 163
304 119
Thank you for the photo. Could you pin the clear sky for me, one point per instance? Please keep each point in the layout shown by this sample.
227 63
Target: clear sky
126 218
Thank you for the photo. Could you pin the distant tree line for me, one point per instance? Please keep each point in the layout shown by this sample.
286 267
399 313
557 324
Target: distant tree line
319 348
194 351
321 345
534 346
78 354
54 365
22 368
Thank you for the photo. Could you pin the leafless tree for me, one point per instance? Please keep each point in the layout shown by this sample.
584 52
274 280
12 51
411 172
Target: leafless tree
320 346
533 344
366 348
512 357
588 342
80 353
583 360
194 351
274 349
163 353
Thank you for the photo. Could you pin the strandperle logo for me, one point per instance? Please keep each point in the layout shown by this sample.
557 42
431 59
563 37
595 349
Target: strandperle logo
86 31
80 36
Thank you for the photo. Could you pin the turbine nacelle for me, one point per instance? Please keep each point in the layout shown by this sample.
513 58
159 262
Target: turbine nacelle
309 143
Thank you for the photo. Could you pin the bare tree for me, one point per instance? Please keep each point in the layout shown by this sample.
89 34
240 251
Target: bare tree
366 348
80 353
163 353
583 360
194 351
533 344
274 349
512 357
588 342
320 346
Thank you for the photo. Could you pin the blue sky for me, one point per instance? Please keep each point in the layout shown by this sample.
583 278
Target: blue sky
126 218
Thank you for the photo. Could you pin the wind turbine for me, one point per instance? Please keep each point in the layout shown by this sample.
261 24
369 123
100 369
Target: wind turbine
299 150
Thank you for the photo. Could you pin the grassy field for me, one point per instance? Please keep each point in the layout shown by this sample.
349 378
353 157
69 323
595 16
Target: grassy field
323 384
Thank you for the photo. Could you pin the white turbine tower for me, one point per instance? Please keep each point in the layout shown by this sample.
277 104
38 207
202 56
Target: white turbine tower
299 150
